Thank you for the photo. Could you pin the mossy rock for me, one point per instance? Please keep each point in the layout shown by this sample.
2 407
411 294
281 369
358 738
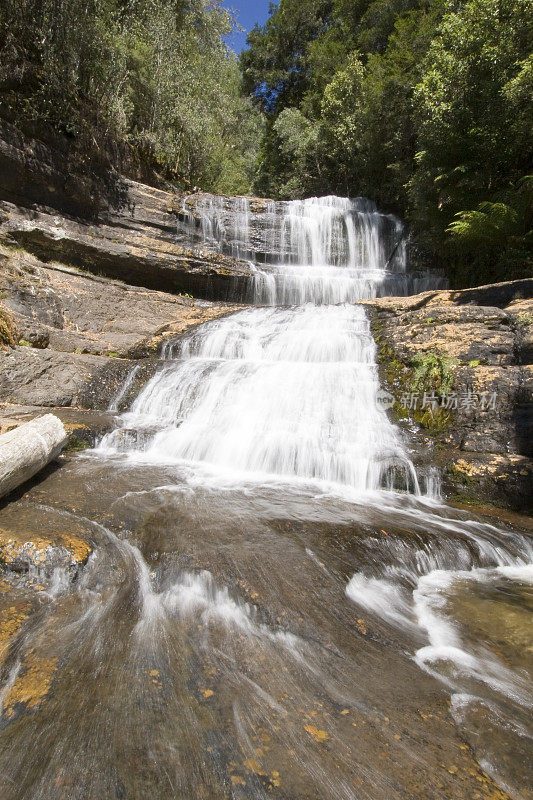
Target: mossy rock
8 330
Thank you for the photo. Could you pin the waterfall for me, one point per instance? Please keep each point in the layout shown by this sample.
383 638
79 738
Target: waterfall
323 250
290 389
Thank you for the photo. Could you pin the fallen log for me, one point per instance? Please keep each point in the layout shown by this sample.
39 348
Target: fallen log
26 450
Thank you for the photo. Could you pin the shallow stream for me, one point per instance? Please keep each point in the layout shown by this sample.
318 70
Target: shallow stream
277 604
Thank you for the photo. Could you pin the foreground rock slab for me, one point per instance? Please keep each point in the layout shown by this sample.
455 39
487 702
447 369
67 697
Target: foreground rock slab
26 450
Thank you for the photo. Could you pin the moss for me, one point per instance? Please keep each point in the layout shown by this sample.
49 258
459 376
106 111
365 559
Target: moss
433 420
432 373
427 372
8 330
76 445
460 475
467 498
112 354
464 499
524 319
399 412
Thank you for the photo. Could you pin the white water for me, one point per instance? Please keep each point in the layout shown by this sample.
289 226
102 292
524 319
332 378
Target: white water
326 250
289 391
293 391
461 598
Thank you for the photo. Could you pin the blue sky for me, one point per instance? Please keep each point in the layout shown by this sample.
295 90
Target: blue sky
248 12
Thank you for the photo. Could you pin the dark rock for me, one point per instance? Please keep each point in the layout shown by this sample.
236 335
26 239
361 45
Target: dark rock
499 295
38 337
487 352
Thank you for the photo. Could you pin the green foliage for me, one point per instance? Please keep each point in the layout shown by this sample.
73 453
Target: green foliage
474 125
423 105
154 77
75 445
432 372
277 60
498 233
492 222
297 142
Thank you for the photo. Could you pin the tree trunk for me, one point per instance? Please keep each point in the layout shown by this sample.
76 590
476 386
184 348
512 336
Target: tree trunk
26 450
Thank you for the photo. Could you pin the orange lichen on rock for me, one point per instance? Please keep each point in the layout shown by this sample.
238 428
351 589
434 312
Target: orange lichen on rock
16 548
32 684
10 624
318 735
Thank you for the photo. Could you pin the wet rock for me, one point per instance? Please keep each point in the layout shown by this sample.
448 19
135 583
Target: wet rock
12 618
93 327
31 685
473 347
42 554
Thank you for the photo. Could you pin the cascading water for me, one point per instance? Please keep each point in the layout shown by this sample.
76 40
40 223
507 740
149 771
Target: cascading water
326 250
253 622
291 391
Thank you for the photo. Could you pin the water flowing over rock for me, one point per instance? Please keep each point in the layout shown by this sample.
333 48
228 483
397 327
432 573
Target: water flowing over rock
238 585
321 250
290 391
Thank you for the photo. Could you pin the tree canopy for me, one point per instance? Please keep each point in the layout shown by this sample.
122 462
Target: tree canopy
154 76
422 105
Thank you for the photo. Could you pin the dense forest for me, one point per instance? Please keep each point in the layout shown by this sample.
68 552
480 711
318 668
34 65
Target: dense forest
422 105
152 78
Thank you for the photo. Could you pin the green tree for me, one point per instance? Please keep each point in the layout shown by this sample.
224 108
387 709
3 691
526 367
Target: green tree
154 78
474 123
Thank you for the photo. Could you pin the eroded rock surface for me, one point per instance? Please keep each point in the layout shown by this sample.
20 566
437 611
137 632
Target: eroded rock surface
475 348
104 223
79 336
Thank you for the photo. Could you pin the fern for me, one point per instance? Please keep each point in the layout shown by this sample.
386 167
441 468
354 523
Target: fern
432 373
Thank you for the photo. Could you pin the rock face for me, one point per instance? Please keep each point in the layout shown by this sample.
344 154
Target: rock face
126 230
459 365
79 336
142 257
